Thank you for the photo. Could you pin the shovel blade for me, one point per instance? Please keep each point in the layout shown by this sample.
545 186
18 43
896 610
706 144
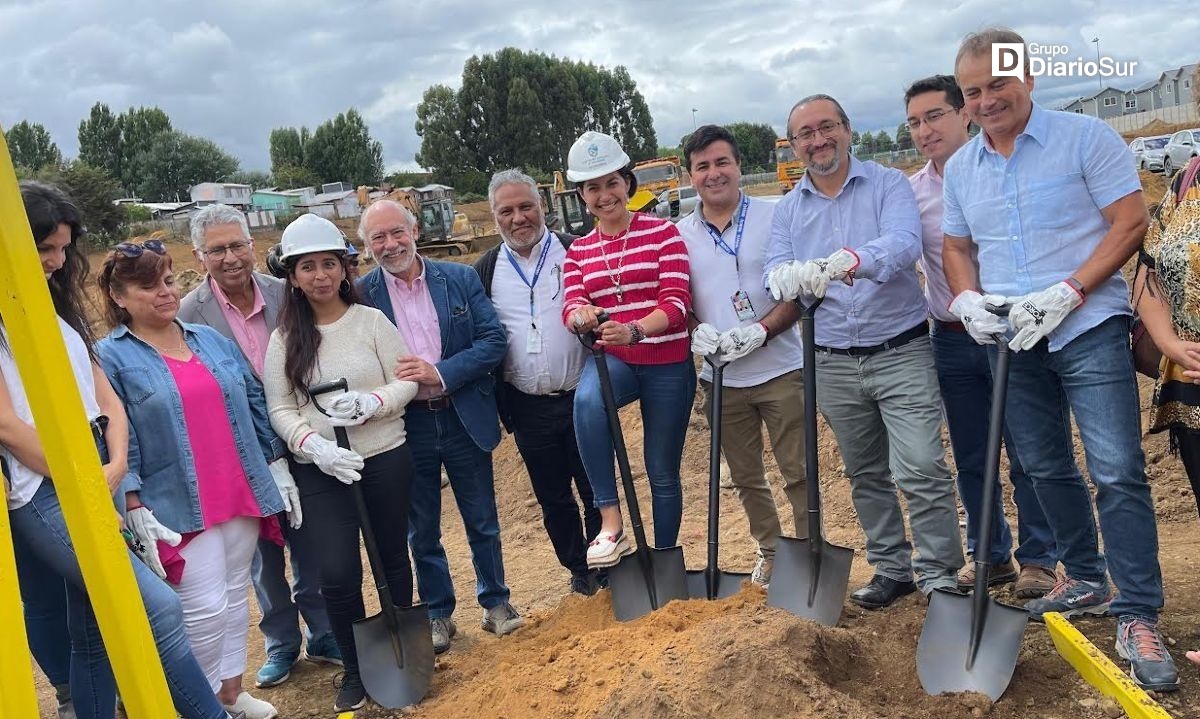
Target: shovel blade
809 589
392 681
631 597
728 583
944 647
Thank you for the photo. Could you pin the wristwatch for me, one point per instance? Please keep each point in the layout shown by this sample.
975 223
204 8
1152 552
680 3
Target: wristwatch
637 334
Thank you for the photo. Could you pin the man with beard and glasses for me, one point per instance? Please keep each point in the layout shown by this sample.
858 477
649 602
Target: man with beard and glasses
535 386
455 341
850 232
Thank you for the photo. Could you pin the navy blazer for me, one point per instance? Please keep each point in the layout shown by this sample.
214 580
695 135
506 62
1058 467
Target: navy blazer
473 341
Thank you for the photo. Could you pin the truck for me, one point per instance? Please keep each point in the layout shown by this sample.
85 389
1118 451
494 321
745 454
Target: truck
788 168
661 173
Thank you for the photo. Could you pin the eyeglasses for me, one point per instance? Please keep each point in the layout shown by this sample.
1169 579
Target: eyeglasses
806 135
134 250
218 253
931 117
396 233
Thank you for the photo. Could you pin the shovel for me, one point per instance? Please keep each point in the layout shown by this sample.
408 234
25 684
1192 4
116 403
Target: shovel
711 582
810 575
650 577
970 644
394 647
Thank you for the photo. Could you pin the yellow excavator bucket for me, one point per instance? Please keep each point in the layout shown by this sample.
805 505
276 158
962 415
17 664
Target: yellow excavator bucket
642 201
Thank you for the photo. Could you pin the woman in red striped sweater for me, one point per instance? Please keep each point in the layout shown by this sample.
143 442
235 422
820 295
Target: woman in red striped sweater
634 267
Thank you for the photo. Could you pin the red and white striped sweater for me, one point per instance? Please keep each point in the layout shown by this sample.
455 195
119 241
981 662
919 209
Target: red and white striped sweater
653 274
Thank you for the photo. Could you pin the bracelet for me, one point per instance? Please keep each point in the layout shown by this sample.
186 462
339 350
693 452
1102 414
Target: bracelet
766 333
637 334
139 505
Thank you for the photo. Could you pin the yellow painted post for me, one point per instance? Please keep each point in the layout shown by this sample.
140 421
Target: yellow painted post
70 451
17 698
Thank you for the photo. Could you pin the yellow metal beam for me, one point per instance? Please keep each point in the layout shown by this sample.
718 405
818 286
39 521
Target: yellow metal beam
70 451
17 698
1099 671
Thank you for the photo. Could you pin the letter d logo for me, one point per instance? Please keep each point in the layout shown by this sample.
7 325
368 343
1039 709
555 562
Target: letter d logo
1008 59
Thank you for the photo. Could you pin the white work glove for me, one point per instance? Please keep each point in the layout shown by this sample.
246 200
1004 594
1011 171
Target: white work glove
341 464
705 339
353 408
1035 315
287 489
840 266
741 341
146 531
983 326
784 282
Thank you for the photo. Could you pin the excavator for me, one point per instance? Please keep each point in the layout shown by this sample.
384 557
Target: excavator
441 228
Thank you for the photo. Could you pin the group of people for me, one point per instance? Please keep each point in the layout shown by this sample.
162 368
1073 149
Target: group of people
225 467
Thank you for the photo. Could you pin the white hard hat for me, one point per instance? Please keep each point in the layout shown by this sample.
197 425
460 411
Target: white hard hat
594 155
310 233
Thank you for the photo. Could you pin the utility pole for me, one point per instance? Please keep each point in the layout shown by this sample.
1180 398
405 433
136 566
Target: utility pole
1099 78
693 118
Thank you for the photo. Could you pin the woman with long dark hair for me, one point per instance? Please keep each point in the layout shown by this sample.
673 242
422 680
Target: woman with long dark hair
326 334
48 568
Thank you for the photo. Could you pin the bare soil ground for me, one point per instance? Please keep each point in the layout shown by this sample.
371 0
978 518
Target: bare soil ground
736 658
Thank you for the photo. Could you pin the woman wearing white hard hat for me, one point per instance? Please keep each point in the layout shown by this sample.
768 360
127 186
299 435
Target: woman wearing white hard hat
326 334
634 268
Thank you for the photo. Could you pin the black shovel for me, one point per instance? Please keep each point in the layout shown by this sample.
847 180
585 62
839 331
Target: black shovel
711 582
970 644
810 575
650 577
394 647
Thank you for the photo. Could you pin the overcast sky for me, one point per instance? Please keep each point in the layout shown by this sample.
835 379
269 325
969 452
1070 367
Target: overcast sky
232 71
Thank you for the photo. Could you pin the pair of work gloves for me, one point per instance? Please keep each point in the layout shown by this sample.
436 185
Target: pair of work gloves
347 410
1031 317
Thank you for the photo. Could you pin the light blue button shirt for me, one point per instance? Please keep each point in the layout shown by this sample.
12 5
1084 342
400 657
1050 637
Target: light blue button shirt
875 215
1035 217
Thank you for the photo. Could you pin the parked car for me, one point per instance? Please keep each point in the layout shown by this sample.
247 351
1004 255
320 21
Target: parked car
676 203
1148 152
1180 149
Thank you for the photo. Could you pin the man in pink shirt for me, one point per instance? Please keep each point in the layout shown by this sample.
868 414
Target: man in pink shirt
244 306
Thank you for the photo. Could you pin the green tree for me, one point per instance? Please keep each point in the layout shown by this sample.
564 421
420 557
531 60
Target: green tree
756 141
867 143
100 140
438 122
290 177
140 127
904 140
883 142
287 147
341 149
93 191
174 162
256 179
31 147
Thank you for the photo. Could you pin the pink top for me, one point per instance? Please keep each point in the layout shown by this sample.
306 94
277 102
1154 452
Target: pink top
417 321
927 187
249 331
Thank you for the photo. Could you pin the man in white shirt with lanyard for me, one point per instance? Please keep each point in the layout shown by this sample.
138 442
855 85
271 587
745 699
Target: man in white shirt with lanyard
727 238
535 386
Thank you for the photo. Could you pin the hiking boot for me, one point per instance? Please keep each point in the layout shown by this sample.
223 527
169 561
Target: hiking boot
501 619
351 694
1034 581
881 592
443 631
252 708
607 549
762 570
66 707
1072 597
586 583
999 573
276 670
323 650
1150 665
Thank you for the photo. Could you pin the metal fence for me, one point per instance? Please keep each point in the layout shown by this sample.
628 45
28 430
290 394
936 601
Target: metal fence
1175 115
758 178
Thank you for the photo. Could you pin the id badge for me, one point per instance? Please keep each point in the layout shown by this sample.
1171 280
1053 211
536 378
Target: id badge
533 343
742 306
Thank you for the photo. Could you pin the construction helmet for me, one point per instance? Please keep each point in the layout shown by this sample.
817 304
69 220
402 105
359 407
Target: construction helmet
310 233
594 155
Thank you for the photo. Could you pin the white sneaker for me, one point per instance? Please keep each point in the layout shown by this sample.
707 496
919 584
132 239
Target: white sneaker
252 708
762 570
607 549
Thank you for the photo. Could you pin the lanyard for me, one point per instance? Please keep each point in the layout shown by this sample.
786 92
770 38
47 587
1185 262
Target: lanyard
537 272
737 238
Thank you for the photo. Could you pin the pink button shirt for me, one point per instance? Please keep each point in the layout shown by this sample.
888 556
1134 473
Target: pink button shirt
249 331
417 320
927 186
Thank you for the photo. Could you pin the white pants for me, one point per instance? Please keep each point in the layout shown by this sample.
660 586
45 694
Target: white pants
214 591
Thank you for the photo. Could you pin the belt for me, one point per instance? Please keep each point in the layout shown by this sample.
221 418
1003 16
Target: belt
433 404
899 340
557 394
949 326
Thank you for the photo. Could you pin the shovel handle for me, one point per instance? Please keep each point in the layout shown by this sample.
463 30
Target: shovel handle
816 540
588 339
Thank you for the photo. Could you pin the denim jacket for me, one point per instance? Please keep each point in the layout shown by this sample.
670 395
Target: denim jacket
161 467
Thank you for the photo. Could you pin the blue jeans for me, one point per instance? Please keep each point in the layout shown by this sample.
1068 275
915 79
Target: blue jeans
437 439
666 393
41 526
1091 378
965 378
281 614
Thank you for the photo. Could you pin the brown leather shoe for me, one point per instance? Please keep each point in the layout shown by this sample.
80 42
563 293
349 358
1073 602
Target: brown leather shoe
1034 581
1001 573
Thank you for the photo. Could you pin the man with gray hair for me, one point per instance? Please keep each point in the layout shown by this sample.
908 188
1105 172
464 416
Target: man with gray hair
535 385
244 306
850 233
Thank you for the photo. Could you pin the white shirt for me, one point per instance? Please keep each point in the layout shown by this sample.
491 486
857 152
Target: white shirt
25 481
715 279
558 366
927 187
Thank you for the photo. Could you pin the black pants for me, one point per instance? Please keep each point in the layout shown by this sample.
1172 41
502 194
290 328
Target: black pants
1188 442
545 434
330 514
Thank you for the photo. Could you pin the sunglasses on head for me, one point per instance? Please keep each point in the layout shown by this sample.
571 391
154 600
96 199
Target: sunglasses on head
133 250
